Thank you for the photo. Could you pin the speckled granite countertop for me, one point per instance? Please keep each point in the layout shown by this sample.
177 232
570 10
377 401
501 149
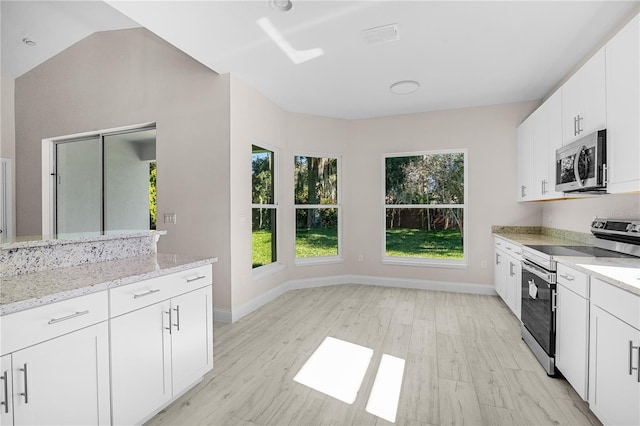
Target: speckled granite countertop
52 240
27 291
620 272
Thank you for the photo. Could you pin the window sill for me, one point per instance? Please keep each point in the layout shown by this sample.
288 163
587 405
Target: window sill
430 263
309 261
266 270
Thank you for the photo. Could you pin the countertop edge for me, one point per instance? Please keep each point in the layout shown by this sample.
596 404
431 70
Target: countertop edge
23 305
52 241
572 263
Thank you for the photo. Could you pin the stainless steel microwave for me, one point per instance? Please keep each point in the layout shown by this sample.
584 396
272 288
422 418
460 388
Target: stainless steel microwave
581 166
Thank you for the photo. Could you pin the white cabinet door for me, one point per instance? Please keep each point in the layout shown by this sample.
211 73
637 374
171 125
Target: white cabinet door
623 109
513 278
6 391
525 160
614 380
572 338
499 273
547 138
140 363
192 337
64 381
584 99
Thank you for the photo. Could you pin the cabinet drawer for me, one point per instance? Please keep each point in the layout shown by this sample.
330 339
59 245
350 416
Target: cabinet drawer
36 325
144 293
508 247
575 281
619 303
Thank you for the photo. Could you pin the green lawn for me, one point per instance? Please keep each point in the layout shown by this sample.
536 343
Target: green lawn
438 244
316 242
261 248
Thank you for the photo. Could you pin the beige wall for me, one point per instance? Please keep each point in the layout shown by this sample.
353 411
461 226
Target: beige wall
577 214
489 134
119 78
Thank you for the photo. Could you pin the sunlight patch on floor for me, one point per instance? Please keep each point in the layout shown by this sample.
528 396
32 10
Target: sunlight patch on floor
336 368
385 394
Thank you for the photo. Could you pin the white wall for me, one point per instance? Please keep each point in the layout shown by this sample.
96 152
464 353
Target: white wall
489 134
120 78
577 214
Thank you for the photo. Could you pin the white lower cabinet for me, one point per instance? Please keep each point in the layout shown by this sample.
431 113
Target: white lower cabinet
63 381
572 328
614 371
507 274
159 351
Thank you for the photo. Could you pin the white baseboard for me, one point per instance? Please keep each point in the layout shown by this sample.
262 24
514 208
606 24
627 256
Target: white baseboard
239 312
222 315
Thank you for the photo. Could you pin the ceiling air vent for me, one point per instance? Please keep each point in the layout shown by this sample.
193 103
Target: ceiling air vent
381 34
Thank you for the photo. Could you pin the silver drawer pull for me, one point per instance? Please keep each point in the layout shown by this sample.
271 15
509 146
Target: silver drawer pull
57 320
26 381
196 278
135 296
5 385
568 277
631 367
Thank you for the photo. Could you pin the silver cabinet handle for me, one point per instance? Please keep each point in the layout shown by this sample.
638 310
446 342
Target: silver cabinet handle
169 313
631 367
26 381
177 324
579 119
575 126
135 296
509 248
196 278
57 320
497 259
522 191
568 277
605 173
5 385
511 265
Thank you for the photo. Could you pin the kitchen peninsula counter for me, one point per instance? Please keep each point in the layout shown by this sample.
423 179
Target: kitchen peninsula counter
27 291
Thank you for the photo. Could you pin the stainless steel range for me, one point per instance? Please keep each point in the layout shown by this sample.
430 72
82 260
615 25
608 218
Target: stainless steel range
614 238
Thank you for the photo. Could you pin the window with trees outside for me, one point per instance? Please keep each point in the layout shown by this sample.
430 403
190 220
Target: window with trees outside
317 206
263 208
425 206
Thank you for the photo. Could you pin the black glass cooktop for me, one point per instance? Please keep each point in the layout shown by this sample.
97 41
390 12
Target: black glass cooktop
577 251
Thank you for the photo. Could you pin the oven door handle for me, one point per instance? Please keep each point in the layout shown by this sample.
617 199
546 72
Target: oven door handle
548 277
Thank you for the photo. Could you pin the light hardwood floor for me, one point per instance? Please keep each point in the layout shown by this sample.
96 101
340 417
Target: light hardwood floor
465 363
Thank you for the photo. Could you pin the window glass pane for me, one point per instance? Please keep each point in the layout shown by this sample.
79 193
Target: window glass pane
261 175
263 236
425 233
425 179
316 232
128 181
316 180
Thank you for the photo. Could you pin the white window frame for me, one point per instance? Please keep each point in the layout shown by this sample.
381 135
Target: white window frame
413 261
275 266
305 261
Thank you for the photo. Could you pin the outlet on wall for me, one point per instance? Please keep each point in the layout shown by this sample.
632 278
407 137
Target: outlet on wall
483 264
170 218
360 258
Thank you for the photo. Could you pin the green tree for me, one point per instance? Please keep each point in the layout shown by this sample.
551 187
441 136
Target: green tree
152 195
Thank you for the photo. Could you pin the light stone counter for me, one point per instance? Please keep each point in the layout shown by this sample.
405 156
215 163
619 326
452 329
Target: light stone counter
20 292
623 273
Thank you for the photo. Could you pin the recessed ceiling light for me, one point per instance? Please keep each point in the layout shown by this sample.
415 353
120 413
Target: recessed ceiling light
404 87
28 41
281 5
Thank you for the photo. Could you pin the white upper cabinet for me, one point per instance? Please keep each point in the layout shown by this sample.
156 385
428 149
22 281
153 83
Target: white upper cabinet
547 137
623 109
584 99
525 160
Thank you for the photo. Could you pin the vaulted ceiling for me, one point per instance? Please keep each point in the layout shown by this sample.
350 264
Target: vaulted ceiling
315 59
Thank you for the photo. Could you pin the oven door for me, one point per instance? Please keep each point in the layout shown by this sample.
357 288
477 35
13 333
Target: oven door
538 305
